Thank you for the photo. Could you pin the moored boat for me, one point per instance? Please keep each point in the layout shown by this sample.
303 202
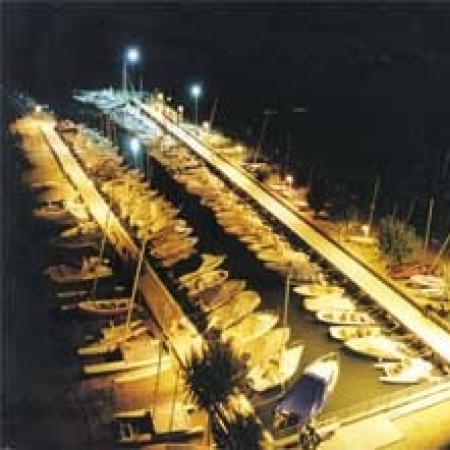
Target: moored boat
91 268
378 347
232 312
276 370
317 290
251 327
329 302
406 371
308 395
105 307
344 317
212 298
345 332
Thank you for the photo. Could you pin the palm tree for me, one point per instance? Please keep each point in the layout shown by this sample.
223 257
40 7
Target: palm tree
213 374
245 432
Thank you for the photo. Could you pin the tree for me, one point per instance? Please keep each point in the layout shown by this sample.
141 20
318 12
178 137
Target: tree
317 195
244 432
397 240
214 373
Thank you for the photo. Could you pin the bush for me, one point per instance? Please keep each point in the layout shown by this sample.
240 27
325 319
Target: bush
397 240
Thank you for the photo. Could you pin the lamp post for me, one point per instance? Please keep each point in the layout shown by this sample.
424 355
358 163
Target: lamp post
131 56
196 92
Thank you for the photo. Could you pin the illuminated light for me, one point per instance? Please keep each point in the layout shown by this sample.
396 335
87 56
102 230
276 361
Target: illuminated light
196 91
38 109
365 229
289 180
205 125
180 108
133 55
135 145
160 96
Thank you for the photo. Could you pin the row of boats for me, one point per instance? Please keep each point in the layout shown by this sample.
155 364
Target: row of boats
230 308
234 215
228 305
361 334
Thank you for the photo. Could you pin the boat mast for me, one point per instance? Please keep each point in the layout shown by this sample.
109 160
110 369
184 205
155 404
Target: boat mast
102 250
135 284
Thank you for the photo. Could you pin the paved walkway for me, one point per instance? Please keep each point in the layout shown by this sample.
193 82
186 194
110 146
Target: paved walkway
385 295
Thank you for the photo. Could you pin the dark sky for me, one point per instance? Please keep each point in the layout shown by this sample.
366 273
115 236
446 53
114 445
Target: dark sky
375 78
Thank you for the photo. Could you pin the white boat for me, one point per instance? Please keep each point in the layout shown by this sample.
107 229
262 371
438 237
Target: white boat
406 371
133 355
326 302
317 290
206 280
90 269
105 307
251 327
212 298
309 394
276 370
272 343
344 317
232 312
167 421
427 281
378 347
345 332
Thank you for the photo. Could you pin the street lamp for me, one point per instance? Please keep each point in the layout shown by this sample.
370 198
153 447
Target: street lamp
132 56
196 92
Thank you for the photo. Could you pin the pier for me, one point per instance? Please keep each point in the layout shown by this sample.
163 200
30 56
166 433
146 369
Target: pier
384 294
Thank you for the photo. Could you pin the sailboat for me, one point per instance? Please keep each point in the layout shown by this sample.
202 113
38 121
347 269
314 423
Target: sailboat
214 297
308 395
317 290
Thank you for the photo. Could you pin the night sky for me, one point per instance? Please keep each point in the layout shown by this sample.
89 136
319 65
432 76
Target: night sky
375 78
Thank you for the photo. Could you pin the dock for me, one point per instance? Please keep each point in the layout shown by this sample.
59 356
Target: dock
383 293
